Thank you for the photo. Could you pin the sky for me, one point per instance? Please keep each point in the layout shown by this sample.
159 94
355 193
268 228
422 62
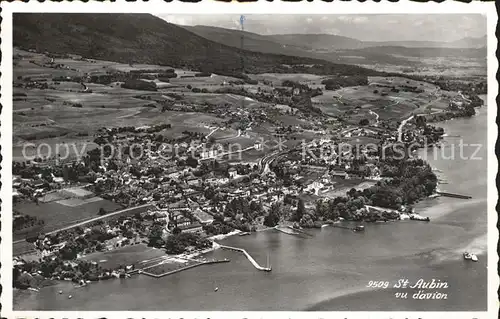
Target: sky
394 27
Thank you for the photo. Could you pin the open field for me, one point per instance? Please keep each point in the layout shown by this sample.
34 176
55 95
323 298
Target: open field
50 116
278 78
57 215
386 96
61 96
342 186
434 66
24 248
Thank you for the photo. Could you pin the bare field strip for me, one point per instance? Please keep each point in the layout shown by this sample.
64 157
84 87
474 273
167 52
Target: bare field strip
57 216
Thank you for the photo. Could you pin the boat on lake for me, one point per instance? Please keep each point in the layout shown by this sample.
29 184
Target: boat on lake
359 228
419 218
470 256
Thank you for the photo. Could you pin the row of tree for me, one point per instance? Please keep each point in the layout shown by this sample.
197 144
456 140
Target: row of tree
344 81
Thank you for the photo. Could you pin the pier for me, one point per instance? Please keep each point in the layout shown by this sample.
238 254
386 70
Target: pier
346 227
250 258
143 271
288 231
300 231
454 195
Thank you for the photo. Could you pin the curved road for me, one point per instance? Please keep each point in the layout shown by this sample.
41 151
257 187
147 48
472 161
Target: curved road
230 137
400 128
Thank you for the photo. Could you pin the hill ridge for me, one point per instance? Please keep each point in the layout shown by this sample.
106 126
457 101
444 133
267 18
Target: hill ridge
144 38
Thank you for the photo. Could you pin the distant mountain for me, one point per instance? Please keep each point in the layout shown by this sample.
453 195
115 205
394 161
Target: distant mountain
144 38
470 42
425 52
251 41
329 42
465 43
318 42
339 49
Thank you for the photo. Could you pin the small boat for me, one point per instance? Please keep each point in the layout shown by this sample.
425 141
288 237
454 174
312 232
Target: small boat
359 228
419 218
470 256
216 289
60 292
70 296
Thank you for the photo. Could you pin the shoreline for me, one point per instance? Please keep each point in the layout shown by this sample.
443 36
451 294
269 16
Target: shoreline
182 256
403 215
222 236
218 237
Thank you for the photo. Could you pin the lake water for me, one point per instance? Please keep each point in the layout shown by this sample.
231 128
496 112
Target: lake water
330 270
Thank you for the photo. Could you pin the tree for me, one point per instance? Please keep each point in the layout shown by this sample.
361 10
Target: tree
209 193
191 161
420 121
102 212
364 122
301 209
155 236
176 231
271 219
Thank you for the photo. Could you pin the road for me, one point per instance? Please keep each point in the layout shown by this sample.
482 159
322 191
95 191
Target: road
339 98
212 132
268 159
376 116
230 137
265 161
400 128
463 97
88 221
395 103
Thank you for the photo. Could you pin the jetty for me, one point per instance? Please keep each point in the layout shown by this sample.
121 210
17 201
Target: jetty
300 231
454 195
356 228
289 230
250 258
150 274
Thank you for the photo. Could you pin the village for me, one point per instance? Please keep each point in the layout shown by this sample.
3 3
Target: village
269 155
